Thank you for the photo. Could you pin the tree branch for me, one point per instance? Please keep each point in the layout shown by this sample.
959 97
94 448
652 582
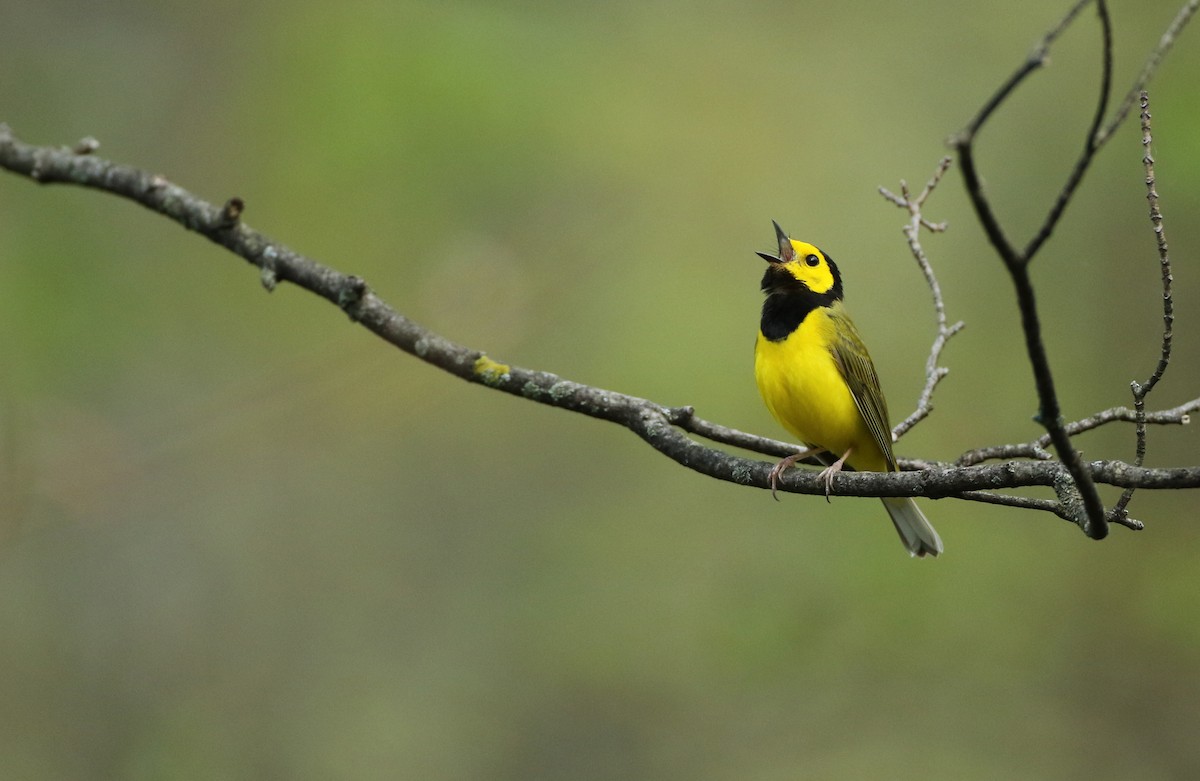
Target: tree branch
1017 262
664 428
1141 390
1179 416
1165 42
934 373
1092 519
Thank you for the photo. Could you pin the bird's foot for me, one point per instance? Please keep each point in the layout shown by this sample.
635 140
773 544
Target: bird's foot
828 472
785 464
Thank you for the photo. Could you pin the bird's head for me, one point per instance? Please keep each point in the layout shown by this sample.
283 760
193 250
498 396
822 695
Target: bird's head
799 267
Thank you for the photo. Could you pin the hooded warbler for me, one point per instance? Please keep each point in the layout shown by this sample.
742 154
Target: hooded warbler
818 381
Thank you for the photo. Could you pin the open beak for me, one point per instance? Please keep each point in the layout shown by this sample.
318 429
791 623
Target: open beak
786 252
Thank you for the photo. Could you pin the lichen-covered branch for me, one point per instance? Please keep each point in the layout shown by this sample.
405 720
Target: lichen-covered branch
665 428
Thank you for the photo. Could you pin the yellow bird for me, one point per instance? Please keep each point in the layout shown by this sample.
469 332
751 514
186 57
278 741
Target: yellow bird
817 379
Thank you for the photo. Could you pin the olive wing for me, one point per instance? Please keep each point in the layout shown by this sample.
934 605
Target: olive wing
856 367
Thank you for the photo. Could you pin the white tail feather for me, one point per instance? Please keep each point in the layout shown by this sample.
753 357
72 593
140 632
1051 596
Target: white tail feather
915 530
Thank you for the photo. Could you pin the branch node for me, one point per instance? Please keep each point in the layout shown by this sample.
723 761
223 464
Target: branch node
230 213
268 275
35 171
1071 502
350 297
86 146
1121 517
679 415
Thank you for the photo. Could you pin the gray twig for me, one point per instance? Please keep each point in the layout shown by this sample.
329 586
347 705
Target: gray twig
1141 390
1176 416
912 231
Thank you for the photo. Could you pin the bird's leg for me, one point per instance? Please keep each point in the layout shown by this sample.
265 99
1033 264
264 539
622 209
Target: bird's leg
788 463
828 472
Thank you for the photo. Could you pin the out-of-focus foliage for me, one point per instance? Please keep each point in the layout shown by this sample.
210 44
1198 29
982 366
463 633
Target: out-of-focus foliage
243 539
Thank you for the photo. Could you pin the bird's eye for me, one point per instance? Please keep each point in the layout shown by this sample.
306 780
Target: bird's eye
812 260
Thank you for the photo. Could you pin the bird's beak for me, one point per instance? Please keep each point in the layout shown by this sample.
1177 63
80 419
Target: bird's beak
786 252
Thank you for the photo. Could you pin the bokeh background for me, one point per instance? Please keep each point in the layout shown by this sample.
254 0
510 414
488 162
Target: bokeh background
242 538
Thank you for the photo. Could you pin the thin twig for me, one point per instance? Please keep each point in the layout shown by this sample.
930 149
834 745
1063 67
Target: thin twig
1141 390
1169 36
964 141
1034 450
686 419
1177 416
1036 59
1084 161
1012 500
912 230
1164 260
1045 505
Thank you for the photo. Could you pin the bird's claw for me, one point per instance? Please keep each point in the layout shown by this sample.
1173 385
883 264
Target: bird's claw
776 471
787 463
828 472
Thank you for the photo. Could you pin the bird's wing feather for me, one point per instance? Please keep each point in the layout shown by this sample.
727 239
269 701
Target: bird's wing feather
859 372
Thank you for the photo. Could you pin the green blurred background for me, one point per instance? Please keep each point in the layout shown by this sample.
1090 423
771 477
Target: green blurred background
242 538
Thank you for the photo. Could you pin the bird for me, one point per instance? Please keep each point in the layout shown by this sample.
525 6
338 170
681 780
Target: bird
818 381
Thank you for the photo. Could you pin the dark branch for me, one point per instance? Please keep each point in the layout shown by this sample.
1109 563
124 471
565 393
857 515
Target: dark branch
1090 147
1092 517
1169 36
964 142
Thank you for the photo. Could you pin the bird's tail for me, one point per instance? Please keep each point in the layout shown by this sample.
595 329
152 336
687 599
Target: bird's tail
915 530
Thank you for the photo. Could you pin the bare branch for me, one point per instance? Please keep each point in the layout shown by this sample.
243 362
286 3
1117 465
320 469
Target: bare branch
1141 390
685 418
1045 505
912 231
1178 416
664 428
1092 518
1164 260
1165 43
964 142
1090 147
1035 450
276 262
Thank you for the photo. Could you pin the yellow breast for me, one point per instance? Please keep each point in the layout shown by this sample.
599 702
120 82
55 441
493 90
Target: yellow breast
804 389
